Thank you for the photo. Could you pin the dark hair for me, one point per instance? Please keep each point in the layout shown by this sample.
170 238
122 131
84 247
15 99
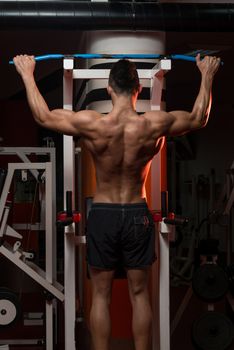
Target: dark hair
124 77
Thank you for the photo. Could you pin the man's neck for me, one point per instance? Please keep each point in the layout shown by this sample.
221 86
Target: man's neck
123 102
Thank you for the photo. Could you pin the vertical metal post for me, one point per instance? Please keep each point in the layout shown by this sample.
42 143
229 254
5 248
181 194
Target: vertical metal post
160 271
54 210
53 187
156 205
69 243
5 191
164 296
80 230
50 247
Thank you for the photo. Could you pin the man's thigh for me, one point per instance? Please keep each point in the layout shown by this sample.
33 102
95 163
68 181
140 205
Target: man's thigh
101 281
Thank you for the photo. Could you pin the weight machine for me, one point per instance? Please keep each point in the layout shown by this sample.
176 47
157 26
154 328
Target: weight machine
211 280
46 278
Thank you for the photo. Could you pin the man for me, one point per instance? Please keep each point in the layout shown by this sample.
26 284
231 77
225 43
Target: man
122 144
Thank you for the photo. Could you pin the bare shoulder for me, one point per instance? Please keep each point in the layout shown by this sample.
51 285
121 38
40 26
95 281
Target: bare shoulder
86 122
87 116
160 121
155 115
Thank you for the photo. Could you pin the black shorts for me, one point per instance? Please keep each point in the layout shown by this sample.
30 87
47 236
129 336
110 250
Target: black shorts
120 236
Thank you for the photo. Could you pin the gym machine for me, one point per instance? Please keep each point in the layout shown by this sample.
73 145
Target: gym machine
155 75
47 278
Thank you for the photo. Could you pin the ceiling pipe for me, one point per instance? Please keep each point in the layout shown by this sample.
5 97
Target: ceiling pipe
85 15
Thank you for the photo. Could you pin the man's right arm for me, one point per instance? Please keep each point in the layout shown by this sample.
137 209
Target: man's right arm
180 122
60 120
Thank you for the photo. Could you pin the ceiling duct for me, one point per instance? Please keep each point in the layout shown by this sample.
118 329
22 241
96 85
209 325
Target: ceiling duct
76 15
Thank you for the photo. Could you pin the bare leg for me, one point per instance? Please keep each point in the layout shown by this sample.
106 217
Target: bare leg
142 316
99 316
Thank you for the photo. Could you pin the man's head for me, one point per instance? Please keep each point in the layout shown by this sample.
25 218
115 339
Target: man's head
124 78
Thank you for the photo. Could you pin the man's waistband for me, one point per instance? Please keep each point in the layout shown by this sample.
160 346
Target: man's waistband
120 206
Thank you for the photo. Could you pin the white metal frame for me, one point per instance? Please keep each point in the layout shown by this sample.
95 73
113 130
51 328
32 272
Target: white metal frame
160 272
47 278
69 237
155 75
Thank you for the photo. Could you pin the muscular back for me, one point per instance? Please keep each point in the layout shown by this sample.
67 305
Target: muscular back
122 146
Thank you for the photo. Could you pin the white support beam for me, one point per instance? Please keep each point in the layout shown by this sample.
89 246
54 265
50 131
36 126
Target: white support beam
156 92
11 151
104 73
157 81
156 205
50 247
27 226
20 342
12 233
5 191
4 222
69 246
160 269
164 286
164 65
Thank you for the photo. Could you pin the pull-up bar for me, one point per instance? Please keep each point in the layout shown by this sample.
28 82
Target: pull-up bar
114 56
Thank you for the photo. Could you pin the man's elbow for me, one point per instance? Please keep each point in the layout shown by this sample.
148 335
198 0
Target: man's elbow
42 118
199 125
199 122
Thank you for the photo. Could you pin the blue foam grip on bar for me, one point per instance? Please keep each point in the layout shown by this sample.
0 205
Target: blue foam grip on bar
45 57
187 58
183 58
114 56
88 55
95 56
48 57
